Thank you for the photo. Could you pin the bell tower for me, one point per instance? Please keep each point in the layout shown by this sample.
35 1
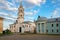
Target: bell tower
20 13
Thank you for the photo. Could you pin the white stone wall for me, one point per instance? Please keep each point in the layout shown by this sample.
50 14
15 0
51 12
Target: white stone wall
12 29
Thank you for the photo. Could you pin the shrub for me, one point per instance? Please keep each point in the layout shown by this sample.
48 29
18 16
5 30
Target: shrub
7 32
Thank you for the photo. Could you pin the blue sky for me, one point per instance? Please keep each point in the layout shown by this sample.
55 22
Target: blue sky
32 9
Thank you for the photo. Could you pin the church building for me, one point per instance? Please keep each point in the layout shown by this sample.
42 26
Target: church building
20 25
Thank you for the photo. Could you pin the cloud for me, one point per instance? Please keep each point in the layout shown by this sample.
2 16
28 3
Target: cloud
5 28
31 12
27 3
2 13
29 15
35 11
53 1
56 12
8 6
6 24
17 0
56 3
32 3
36 2
8 16
30 18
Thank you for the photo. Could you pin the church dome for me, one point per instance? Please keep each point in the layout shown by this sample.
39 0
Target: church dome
41 18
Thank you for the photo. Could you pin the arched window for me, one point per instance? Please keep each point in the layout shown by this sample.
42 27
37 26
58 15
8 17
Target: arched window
21 15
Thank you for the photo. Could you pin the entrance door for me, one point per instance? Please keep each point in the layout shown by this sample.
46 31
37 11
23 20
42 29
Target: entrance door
19 29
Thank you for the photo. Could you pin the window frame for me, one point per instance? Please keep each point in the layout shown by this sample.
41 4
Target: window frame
52 25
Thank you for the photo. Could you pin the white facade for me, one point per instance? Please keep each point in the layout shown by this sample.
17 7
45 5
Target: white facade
25 27
41 25
48 26
20 25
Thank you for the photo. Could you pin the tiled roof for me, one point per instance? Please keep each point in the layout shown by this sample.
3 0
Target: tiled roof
48 20
53 19
41 19
27 22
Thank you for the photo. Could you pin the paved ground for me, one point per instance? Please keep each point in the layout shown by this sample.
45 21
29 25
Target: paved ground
29 37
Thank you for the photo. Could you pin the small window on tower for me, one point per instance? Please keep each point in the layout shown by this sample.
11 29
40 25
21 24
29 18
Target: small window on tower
21 11
21 15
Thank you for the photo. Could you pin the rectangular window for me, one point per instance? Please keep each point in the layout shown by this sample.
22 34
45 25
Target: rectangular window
23 26
52 25
52 30
57 30
56 25
42 24
39 30
46 30
38 23
14 26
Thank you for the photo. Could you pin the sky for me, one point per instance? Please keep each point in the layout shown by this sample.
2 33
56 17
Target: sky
32 9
